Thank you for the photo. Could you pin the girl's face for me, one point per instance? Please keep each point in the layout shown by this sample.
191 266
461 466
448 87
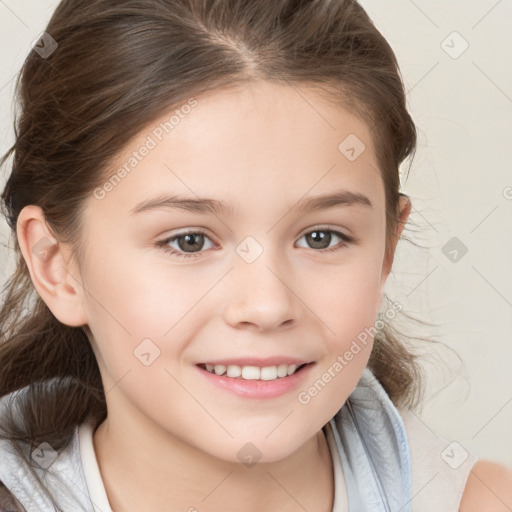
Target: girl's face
266 275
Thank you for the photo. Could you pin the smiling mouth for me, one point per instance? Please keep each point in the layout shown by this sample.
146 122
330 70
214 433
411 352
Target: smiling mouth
253 372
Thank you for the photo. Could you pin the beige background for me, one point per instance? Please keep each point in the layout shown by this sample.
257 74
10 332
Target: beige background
460 185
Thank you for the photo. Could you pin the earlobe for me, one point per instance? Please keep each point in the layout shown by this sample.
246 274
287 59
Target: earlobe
47 263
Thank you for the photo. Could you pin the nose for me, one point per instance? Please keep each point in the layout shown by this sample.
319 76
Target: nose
261 294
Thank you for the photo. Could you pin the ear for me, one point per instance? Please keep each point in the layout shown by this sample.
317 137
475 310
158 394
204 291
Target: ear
405 207
48 262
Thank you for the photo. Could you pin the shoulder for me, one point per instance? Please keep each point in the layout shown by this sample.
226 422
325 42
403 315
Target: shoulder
489 488
439 468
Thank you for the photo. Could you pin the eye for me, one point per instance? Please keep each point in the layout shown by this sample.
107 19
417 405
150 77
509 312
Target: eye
190 243
320 238
187 243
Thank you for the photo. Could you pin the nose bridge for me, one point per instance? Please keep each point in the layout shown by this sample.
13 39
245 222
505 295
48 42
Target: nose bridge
260 292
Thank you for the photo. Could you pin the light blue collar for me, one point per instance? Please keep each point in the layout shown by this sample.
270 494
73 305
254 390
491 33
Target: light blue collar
374 450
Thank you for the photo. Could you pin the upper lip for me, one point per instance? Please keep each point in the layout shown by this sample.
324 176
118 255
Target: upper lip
258 361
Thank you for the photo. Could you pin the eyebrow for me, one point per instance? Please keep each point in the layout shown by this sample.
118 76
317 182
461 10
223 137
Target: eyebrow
204 205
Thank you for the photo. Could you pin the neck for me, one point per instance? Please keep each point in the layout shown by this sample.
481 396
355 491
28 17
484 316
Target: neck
138 475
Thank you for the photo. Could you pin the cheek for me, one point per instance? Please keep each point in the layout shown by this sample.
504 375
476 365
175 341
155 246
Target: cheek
347 302
129 312
134 295
142 310
346 297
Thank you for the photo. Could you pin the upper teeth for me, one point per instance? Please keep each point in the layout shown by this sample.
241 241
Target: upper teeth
253 372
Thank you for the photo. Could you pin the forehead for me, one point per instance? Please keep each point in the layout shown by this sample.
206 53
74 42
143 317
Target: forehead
248 146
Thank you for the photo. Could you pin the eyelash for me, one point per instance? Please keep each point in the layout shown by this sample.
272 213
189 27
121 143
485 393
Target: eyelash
163 244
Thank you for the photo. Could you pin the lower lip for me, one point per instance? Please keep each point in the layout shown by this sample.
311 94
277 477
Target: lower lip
258 388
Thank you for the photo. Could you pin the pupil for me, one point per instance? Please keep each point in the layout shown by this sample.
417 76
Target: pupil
320 237
190 238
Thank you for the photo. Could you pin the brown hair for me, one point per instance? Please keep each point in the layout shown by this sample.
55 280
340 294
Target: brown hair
118 64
